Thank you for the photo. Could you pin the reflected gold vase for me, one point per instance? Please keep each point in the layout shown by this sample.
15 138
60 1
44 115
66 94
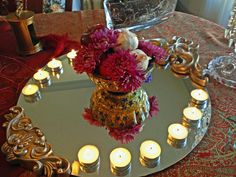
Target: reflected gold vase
114 108
119 110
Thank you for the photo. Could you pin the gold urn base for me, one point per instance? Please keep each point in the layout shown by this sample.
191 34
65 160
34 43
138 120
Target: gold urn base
119 110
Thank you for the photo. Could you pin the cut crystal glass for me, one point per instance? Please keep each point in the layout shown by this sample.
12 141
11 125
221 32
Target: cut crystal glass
223 68
137 14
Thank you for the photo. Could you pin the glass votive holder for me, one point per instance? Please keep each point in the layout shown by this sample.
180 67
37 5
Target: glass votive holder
150 152
177 135
120 162
31 93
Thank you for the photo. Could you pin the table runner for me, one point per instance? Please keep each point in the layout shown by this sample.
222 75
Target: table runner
210 158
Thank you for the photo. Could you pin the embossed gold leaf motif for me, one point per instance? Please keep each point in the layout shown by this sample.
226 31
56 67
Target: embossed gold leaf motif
27 145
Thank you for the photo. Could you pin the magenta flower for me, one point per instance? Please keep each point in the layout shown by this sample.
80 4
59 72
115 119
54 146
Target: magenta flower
122 68
88 116
152 50
103 39
125 135
86 60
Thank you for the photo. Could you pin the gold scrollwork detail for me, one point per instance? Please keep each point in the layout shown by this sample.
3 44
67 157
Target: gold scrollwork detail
27 146
183 59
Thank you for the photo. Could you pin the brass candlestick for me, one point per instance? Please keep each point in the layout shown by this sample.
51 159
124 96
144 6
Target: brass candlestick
23 26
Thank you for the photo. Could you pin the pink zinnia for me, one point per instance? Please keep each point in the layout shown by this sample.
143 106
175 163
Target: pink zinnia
152 50
122 68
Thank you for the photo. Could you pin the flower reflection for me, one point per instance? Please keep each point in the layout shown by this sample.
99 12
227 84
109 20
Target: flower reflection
122 124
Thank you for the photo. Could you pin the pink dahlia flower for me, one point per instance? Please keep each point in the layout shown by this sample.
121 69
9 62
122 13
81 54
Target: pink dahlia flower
122 68
125 135
86 60
103 39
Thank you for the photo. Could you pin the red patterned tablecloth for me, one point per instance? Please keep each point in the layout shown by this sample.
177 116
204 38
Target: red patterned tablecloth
212 157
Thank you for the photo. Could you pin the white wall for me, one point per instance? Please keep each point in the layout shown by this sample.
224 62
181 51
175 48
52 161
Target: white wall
214 10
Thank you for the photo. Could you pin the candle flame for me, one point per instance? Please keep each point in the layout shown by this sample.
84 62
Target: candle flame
40 71
72 54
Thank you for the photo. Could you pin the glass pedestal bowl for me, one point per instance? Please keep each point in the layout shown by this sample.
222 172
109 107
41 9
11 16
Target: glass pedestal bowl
223 69
137 14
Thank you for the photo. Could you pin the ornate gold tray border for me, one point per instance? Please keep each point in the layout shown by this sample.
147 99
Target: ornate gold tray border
27 145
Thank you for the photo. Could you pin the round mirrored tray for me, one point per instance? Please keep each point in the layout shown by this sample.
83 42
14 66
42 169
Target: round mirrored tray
59 115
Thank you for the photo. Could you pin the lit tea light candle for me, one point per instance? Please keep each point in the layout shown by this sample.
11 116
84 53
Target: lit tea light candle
31 93
54 65
199 98
71 56
177 135
120 161
150 152
89 159
30 90
192 116
42 78
75 168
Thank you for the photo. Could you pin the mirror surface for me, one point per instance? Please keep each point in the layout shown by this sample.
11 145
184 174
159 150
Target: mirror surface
59 115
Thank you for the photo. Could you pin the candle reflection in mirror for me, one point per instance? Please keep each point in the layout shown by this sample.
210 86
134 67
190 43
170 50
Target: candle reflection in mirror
57 74
42 78
75 168
31 93
199 98
150 152
89 159
192 117
120 161
177 135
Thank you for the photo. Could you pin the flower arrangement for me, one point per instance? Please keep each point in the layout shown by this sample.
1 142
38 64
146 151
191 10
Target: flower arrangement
117 56
118 63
